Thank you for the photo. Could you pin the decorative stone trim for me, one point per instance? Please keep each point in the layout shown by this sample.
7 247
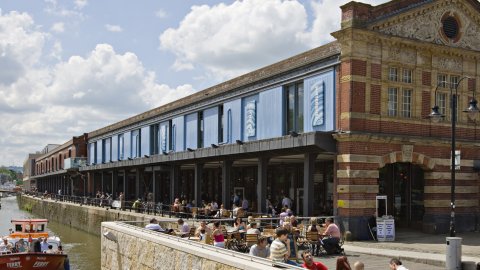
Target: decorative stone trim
446 203
447 175
357 174
358 158
447 162
423 161
357 204
447 189
357 188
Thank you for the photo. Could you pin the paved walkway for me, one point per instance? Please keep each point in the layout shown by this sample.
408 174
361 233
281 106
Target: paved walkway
416 247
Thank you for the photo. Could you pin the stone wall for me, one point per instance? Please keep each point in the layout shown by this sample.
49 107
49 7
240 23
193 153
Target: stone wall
86 218
130 247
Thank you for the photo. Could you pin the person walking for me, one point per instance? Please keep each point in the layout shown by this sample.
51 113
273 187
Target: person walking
396 264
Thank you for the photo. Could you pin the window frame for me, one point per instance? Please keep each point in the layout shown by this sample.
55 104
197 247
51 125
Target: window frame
296 91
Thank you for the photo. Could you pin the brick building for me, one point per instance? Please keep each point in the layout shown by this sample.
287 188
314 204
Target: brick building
57 167
332 128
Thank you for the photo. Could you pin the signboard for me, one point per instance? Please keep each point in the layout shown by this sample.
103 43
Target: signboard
390 229
380 230
385 229
457 160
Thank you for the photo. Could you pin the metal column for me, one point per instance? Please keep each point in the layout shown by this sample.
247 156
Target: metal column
262 185
114 183
198 184
226 183
174 181
308 171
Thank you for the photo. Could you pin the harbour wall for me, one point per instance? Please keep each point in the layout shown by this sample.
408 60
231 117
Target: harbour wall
82 217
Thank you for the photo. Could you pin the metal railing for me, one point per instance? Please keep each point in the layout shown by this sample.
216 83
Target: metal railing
160 209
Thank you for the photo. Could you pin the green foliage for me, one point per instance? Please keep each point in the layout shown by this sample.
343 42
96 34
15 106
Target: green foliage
12 174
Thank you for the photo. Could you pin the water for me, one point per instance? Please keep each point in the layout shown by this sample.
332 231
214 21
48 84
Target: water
83 249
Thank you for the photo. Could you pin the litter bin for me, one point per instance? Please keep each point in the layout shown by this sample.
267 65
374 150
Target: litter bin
454 253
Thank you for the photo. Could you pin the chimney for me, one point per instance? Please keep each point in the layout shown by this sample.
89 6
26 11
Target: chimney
355 14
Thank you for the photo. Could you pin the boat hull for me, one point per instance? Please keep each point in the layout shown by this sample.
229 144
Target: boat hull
37 261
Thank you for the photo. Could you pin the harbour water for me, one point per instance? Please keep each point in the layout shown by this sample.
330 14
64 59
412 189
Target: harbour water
83 249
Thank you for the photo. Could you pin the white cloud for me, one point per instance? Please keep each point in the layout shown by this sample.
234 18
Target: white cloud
49 104
232 39
56 9
113 28
58 27
20 45
79 4
161 14
56 51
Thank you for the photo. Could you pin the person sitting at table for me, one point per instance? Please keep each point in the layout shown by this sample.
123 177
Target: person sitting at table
176 205
260 249
253 229
282 216
154 226
280 248
309 263
203 226
332 237
220 213
218 239
239 225
214 205
182 226
208 209
293 221
235 210
314 228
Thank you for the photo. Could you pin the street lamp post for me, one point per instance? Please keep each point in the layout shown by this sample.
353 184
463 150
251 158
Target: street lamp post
436 116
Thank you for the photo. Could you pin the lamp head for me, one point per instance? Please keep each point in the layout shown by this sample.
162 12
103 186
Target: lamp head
472 110
435 115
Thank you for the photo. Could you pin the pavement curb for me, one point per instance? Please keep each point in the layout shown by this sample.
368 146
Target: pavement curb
468 263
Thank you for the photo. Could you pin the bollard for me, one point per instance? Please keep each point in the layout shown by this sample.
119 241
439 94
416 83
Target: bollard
454 253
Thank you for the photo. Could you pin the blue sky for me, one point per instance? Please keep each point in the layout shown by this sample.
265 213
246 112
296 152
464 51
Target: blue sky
70 67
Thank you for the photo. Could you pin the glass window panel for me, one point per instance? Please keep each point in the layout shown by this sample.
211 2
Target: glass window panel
407 76
454 81
442 80
442 103
392 101
300 108
406 103
290 108
393 74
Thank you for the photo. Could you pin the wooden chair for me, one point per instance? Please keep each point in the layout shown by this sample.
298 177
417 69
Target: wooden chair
191 233
208 239
194 212
251 239
227 213
312 242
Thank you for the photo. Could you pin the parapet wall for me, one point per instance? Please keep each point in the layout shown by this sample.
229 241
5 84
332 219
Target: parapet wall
126 246
85 218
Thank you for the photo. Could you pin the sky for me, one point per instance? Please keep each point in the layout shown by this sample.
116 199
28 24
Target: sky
68 67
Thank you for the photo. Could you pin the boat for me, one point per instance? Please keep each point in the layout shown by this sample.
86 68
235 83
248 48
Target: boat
22 256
